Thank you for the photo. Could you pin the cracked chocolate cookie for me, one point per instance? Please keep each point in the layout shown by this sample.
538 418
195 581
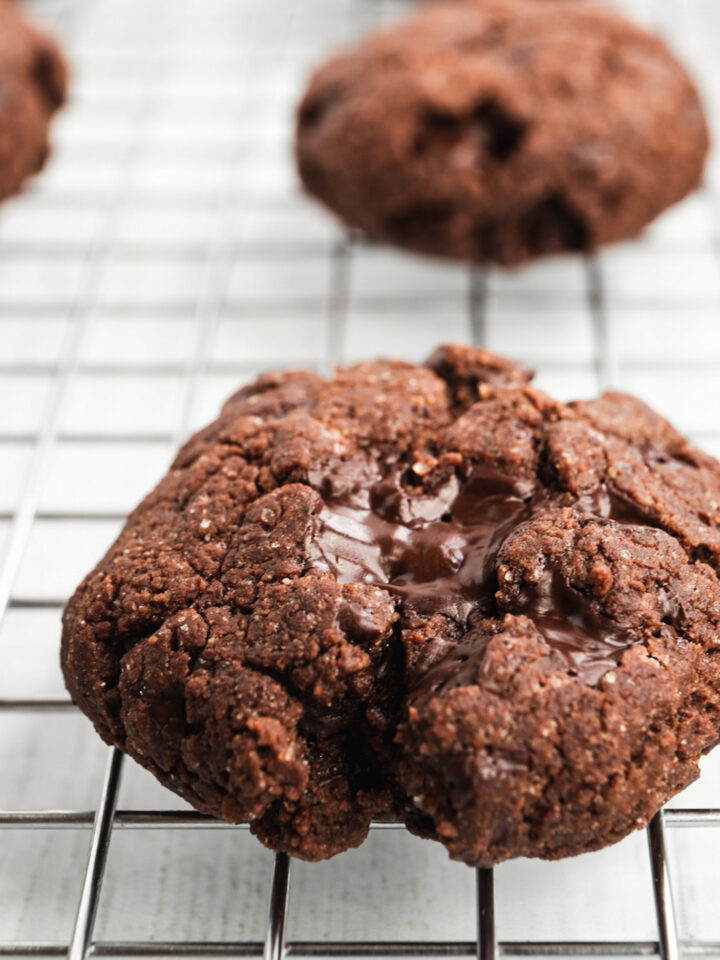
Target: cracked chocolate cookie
501 130
33 81
425 592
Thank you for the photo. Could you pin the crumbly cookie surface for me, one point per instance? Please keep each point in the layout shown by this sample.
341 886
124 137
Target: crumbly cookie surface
501 130
428 592
33 81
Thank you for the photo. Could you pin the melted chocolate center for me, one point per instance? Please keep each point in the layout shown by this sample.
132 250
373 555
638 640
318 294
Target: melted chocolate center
437 552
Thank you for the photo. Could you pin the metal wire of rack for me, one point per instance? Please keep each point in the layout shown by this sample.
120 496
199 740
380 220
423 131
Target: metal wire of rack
321 271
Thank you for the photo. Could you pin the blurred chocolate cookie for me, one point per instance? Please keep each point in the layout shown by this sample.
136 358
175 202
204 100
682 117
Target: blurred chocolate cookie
33 80
502 130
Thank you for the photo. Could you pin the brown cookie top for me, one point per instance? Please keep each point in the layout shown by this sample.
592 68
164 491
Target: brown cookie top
33 81
500 130
430 592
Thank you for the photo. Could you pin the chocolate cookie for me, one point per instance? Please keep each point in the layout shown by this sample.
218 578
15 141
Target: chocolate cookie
500 130
33 81
427 592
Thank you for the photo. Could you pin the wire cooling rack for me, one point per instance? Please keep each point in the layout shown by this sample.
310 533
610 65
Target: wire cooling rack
165 257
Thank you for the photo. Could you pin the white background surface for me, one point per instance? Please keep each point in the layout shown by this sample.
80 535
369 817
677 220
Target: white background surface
164 258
